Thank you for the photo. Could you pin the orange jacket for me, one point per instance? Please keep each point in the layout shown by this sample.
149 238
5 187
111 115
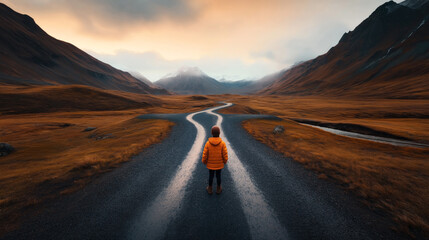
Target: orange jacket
215 154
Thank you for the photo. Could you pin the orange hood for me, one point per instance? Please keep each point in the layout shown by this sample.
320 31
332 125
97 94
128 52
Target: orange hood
215 141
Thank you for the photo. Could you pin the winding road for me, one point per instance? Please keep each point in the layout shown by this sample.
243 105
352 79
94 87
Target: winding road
160 194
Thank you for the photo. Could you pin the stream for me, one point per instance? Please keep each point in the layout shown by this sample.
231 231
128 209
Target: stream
391 141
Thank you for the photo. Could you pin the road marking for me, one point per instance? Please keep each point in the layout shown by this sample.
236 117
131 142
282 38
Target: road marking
155 219
262 221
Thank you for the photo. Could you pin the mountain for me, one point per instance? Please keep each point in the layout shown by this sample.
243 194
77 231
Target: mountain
29 56
194 81
190 81
262 83
414 3
68 98
387 55
142 78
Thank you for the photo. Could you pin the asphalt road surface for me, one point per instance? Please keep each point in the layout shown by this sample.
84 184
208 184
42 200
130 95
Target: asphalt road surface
160 194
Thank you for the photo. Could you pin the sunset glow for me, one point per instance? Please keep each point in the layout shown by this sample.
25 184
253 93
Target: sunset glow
226 39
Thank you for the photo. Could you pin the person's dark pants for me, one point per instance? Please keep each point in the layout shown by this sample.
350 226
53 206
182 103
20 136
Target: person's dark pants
211 175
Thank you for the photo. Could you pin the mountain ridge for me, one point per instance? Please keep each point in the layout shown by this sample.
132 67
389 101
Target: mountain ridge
194 81
30 56
186 81
414 3
384 56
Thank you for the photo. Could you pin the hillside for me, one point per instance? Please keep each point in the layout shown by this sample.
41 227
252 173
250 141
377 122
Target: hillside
65 98
29 56
194 81
190 81
386 56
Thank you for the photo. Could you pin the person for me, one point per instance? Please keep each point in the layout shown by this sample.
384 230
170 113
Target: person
215 156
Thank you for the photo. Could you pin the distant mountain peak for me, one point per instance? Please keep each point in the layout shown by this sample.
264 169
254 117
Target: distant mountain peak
414 3
187 71
191 80
391 6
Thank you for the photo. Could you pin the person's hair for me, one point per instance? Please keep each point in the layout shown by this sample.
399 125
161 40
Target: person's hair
215 131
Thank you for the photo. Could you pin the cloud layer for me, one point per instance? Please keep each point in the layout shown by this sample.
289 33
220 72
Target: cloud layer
233 39
154 66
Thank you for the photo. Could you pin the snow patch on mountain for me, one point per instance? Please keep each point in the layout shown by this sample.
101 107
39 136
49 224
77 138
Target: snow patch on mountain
187 71
414 3
411 34
391 7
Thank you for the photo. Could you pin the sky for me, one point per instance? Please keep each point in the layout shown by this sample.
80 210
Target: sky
227 39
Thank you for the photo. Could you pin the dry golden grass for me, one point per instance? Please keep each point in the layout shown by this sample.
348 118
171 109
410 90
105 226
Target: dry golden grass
54 156
239 109
408 118
73 98
386 177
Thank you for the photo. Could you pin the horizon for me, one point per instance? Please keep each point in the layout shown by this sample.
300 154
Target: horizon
155 39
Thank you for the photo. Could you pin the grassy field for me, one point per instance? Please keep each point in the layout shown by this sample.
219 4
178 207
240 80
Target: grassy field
385 177
55 156
408 118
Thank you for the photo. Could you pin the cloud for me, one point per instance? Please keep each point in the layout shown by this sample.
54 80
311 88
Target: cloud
232 39
154 66
120 11
309 43
111 16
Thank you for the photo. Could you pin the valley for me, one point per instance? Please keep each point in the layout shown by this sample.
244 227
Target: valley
89 151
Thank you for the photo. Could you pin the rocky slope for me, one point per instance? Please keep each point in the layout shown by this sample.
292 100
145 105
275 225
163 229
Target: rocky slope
29 56
386 56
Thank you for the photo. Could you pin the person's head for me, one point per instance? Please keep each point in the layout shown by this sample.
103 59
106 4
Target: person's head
215 131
